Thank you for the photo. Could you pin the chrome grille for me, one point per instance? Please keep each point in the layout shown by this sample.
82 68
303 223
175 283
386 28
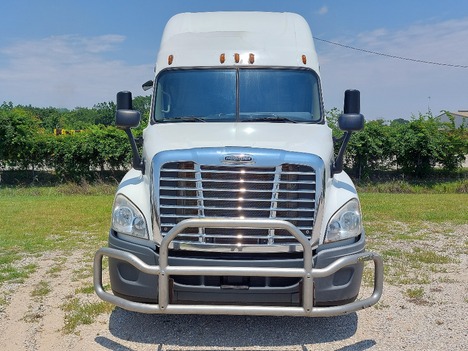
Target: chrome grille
189 190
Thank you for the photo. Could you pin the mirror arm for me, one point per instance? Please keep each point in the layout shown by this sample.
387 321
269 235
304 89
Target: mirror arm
338 166
138 163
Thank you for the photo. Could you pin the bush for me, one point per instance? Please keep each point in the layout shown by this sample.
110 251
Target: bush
21 139
369 150
425 142
76 157
414 148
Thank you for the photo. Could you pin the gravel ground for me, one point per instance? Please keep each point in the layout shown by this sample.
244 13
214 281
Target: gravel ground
433 317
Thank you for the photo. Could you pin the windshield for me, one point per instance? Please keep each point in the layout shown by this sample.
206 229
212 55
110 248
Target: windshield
237 94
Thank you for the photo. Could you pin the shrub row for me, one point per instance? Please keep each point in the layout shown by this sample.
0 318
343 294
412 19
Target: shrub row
412 148
25 145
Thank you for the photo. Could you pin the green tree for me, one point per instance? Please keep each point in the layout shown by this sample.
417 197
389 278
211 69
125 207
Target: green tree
419 145
105 113
79 118
369 150
50 117
19 131
142 104
456 144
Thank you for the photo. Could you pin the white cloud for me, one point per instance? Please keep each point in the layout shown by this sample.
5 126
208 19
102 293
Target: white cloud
70 71
323 10
67 71
392 88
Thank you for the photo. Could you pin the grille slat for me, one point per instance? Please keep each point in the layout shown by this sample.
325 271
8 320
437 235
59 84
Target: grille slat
207 208
168 197
189 190
241 190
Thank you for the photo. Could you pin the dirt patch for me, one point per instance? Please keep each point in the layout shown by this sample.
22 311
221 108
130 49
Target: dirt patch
33 318
423 314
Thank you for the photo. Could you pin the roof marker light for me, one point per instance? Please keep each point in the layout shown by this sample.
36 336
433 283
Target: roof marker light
304 59
222 58
236 57
251 58
170 59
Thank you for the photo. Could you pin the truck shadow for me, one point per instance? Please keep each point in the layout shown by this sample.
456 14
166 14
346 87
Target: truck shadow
226 331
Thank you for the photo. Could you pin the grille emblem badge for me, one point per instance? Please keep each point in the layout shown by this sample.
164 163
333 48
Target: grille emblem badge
238 159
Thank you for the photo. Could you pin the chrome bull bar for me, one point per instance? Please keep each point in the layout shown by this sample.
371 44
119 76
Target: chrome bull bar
307 273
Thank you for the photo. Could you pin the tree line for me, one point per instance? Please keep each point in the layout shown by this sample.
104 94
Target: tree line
412 147
88 143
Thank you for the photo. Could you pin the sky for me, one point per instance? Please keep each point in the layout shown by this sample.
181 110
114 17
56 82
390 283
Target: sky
69 53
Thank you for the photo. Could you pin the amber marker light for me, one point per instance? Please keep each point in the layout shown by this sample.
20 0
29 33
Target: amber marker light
237 58
251 58
170 59
304 59
222 58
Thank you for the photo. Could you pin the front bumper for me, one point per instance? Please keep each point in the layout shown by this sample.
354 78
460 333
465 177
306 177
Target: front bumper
156 275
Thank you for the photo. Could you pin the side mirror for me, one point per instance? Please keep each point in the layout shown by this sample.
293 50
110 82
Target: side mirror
147 85
124 100
351 120
125 116
126 119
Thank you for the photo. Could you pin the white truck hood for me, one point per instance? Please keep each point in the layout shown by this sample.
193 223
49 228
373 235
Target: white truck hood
309 138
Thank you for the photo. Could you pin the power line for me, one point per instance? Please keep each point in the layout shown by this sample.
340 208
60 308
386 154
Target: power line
391 56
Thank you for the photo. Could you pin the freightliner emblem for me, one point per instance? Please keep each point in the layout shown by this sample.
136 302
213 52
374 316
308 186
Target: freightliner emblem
238 159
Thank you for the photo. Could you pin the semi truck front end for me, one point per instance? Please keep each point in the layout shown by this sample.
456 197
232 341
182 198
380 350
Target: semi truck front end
238 203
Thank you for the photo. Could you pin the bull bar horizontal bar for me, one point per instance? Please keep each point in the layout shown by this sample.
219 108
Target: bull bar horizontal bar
307 273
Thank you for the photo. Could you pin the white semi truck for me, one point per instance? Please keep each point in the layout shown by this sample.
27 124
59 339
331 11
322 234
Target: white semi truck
238 204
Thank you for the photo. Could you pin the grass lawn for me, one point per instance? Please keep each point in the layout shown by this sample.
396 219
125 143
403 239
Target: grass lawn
39 220
412 208
36 223
418 235
36 220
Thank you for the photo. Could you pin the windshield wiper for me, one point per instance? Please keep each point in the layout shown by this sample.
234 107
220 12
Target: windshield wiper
269 118
184 119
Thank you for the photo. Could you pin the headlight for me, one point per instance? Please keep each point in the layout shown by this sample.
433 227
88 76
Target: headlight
345 223
127 218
